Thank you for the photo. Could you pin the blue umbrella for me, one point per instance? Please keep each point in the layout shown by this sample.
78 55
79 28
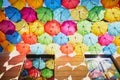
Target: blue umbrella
14 38
53 4
1 49
37 48
114 28
61 14
90 39
13 14
60 39
110 49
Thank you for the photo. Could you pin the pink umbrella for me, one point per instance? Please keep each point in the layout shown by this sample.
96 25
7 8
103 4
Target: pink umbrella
68 27
7 27
105 39
29 14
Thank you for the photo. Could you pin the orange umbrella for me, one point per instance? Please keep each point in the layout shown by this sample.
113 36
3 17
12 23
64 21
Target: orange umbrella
2 36
2 16
117 41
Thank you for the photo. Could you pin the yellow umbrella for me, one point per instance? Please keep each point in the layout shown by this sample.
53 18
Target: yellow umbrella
37 28
79 13
2 16
2 36
118 50
117 41
99 28
112 14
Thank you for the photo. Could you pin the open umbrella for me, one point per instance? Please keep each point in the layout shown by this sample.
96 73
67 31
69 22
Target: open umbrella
14 38
37 48
7 27
53 4
84 27
2 37
60 39
99 28
114 28
70 4
68 27
35 4
90 39
1 2
28 14
105 39
96 13
2 16
61 14
1 49
52 27
13 14
44 14
37 28
79 13
117 40
19 4
45 39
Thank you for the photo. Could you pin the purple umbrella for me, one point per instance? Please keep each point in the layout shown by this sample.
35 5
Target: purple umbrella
7 27
28 14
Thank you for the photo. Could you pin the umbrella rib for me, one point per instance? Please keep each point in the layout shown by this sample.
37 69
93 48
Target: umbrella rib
110 49
100 29
116 30
92 2
14 2
43 15
12 15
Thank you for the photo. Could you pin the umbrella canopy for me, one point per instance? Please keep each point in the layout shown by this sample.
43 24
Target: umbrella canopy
13 14
70 4
114 28
28 14
118 50
45 39
7 27
96 13
2 16
29 38
117 40
119 3
53 4
1 2
19 4
84 27
99 28
61 14
68 27
79 13
37 28
35 4
112 15
90 39
37 48
67 48
1 49
2 37
105 39
60 39
14 38
52 27
44 14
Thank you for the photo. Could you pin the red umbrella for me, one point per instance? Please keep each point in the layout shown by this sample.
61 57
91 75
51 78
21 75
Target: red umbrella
70 4
28 64
52 27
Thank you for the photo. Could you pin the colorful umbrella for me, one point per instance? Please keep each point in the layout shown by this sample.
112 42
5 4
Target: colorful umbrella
79 13
2 16
13 14
60 39
53 4
67 48
52 27
37 48
68 27
118 50
61 14
19 4
84 27
14 38
1 49
117 40
44 14
37 28
110 49
1 2
7 27
105 39
70 4
45 39
35 4
99 28
90 39
114 28
28 14
96 13
2 37
29 38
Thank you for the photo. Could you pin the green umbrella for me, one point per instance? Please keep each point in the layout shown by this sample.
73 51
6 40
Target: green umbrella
96 13
84 27
45 39
44 14
1 2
